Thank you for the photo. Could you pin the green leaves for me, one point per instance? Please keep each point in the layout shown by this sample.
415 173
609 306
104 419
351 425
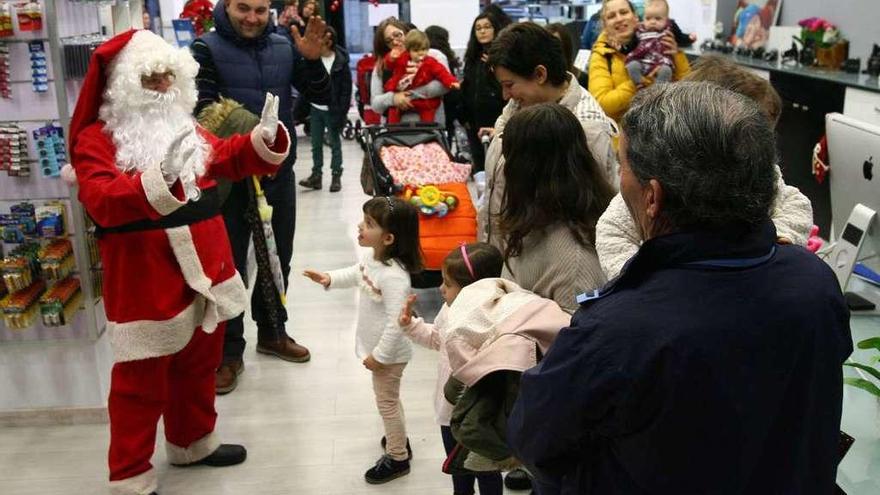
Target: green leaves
872 343
867 369
864 385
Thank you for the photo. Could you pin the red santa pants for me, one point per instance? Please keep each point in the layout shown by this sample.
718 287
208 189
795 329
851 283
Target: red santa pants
426 108
180 388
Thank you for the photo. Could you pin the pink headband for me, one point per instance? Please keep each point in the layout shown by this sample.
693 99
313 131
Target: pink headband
467 261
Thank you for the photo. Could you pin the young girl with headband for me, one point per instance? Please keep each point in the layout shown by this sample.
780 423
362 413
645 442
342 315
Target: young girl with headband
391 229
462 267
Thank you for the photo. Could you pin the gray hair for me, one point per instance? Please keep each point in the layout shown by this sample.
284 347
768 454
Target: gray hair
711 149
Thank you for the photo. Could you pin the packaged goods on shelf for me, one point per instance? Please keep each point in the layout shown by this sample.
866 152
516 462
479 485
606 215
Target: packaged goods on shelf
19 224
20 309
6 20
77 52
56 259
14 157
20 267
51 219
51 148
39 66
61 302
5 87
30 17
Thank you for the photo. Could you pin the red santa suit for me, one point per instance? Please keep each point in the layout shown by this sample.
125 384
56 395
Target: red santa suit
169 277
430 69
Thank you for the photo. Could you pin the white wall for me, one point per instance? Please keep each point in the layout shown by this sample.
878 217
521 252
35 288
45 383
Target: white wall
456 16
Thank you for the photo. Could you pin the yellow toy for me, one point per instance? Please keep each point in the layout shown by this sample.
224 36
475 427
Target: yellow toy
430 200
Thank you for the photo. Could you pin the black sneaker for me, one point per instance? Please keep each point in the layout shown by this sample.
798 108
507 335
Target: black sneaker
385 470
518 479
225 455
384 441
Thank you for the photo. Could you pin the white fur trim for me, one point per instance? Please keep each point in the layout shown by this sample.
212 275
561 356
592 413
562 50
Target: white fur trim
157 191
196 451
188 258
145 339
222 299
142 484
231 297
263 150
142 339
148 53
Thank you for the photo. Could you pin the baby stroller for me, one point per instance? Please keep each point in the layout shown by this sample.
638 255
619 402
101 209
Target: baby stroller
413 161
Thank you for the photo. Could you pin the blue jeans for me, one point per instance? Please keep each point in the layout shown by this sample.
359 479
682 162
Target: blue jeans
318 121
490 483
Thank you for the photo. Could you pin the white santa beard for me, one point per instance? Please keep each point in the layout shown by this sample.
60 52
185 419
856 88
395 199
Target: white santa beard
143 123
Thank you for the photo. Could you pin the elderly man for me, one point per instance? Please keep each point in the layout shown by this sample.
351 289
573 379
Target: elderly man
148 176
712 365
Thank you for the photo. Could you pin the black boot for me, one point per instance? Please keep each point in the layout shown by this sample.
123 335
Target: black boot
385 470
313 182
225 455
384 441
336 183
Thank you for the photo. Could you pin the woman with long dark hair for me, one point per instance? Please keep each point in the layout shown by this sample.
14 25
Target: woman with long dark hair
555 194
482 99
389 38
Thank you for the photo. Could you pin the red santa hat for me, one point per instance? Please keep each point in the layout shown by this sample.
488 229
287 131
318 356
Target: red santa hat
91 96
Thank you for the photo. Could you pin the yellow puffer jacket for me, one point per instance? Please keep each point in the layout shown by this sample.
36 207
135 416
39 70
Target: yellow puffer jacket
613 88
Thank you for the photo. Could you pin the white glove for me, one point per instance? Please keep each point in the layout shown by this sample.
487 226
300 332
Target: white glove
175 158
269 119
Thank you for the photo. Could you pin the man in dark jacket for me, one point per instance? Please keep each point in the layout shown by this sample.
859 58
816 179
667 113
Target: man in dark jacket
712 364
242 60
331 116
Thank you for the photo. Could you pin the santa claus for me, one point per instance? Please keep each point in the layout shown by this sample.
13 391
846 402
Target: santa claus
146 175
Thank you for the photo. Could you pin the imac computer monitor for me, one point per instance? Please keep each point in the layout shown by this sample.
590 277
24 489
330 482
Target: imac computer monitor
854 157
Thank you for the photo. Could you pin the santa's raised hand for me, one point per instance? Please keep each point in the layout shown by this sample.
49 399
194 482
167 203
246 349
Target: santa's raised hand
176 157
310 44
269 119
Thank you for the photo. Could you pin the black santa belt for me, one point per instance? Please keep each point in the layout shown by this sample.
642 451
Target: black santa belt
207 206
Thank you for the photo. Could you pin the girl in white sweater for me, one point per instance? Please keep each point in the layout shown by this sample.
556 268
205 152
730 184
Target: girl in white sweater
462 267
391 228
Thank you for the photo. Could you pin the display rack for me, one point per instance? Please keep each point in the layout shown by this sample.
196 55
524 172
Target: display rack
60 369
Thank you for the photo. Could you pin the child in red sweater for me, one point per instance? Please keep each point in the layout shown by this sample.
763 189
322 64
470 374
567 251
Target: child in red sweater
427 69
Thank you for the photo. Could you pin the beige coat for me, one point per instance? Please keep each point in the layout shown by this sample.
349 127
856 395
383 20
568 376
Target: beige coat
618 238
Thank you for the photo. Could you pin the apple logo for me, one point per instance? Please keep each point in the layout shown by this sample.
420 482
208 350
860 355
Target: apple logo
868 168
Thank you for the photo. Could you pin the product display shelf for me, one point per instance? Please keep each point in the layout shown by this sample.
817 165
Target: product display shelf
29 110
51 375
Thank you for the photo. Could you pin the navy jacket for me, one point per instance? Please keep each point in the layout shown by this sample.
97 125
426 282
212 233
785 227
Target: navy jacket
688 377
246 69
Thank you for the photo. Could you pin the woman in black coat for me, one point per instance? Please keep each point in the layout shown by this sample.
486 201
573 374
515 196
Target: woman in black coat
482 100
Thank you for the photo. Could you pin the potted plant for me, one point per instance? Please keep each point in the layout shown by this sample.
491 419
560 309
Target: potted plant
870 386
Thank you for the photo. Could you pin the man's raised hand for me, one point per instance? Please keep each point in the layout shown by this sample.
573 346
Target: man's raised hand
311 44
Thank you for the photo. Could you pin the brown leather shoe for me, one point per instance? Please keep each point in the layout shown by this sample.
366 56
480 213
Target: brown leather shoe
286 349
227 377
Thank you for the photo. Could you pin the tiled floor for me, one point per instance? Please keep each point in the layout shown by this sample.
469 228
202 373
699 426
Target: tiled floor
309 428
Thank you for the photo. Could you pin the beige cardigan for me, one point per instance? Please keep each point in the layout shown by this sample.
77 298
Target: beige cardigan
555 266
